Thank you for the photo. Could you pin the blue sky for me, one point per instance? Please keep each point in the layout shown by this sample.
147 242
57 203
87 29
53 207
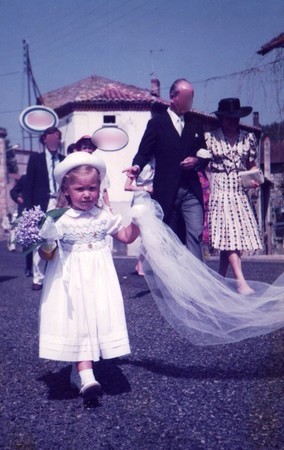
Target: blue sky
127 40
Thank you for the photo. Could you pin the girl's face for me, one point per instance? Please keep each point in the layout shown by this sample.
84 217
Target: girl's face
84 191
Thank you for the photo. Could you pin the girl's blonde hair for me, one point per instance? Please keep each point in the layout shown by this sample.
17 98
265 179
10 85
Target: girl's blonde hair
69 178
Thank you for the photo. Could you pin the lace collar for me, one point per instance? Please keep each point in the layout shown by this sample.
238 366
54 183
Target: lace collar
94 211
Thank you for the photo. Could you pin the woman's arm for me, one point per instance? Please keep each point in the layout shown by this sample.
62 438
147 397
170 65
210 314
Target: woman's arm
130 185
251 165
128 234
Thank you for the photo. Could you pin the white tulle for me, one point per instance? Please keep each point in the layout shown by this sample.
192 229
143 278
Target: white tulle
49 231
201 305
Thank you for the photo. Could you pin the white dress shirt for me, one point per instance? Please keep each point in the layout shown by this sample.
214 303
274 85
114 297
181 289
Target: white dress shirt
178 121
48 156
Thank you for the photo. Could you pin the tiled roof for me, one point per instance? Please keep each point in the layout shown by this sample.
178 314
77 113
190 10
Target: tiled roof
276 42
101 94
99 90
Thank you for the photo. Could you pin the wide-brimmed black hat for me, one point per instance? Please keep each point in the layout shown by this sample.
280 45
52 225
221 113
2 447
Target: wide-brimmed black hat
231 107
85 140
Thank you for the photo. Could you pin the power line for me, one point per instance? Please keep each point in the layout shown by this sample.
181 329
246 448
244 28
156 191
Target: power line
76 40
7 74
89 21
10 111
250 71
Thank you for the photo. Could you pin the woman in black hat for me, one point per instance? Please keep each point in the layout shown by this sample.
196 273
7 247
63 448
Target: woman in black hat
232 224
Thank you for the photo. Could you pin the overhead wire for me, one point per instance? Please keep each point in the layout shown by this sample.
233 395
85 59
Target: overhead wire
76 40
80 33
8 74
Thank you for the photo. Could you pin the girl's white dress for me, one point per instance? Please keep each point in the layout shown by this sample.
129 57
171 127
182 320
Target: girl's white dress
82 313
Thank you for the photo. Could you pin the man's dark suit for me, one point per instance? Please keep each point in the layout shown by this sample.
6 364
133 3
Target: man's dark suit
162 141
37 190
18 191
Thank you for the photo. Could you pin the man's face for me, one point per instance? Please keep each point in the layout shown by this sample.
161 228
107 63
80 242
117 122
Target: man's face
182 102
52 141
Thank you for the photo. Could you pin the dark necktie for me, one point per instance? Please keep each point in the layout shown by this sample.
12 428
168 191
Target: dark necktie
53 158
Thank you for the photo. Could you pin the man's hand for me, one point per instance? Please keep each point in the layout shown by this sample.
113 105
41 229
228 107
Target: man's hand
189 163
132 172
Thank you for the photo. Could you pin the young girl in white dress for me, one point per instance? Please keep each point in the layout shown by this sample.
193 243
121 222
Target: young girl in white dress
82 313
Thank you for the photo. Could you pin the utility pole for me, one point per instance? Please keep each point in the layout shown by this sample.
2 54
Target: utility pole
27 70
31 85
152 59
267 174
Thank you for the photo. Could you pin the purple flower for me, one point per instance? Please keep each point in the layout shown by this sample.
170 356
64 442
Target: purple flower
28 226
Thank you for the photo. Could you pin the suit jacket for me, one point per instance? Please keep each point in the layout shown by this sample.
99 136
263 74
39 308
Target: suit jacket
37 190
18 191
162 141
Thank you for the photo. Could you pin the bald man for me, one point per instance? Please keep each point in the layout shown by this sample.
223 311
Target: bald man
173 138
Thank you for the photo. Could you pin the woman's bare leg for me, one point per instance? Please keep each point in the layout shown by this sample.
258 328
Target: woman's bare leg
234 258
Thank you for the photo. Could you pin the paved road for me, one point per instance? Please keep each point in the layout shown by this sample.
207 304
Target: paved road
166 395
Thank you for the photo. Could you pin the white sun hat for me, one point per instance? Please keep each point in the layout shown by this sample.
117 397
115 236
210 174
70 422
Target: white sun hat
77 159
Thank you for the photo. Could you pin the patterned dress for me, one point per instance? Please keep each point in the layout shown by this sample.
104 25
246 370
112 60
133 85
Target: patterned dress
82 313
232 224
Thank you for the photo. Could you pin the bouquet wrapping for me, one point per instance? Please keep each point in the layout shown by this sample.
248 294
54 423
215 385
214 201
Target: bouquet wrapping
34 228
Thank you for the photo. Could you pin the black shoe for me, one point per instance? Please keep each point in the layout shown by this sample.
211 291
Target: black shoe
28 273
36 287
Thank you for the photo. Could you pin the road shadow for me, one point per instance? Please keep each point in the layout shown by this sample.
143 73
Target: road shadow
111 377
107 372
269 368
7 278
140 294
58 384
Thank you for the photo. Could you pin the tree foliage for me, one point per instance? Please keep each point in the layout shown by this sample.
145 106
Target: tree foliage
275 131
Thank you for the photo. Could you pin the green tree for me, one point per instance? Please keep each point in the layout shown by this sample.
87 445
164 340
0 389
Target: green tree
275 131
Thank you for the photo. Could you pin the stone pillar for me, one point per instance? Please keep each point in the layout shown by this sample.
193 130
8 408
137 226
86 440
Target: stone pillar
155 87
3 180
256 119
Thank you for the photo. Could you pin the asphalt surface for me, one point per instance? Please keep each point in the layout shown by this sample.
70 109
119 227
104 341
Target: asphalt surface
166 395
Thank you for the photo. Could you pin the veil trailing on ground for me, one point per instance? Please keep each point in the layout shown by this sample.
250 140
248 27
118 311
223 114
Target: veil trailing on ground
200 304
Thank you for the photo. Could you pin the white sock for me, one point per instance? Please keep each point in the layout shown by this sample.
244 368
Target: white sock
87 376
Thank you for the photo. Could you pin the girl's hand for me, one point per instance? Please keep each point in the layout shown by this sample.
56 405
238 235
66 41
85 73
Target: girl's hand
47 250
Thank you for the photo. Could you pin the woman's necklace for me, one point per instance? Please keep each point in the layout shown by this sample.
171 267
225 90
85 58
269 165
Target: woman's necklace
232 143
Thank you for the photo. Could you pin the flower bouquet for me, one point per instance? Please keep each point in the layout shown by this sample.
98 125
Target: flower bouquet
34 228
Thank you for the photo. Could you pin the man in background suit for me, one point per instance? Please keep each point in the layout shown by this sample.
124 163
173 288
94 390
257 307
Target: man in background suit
17 194
173 139
41 187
